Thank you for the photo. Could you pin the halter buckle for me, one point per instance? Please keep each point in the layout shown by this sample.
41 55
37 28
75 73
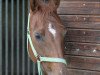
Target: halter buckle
38 58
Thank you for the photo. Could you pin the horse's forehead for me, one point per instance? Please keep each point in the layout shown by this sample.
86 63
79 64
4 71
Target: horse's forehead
52 29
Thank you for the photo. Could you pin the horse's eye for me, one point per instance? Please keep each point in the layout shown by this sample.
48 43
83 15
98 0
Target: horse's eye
38 36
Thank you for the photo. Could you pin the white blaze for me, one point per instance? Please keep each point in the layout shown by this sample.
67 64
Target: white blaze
52 30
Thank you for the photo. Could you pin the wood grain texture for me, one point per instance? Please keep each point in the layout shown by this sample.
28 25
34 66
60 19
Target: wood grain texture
83 35
81 72
83 32
82 41
81 21
85 39
80 4
81 62
76 7
80 18
82 25
83 0
82 49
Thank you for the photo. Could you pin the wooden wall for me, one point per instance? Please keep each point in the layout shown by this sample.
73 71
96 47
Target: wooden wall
82 42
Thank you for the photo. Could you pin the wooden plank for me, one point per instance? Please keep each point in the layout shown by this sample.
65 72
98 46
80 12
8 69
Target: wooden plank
83 49
80 4
81 11
87 25
85 39
81 21
87 63
79 7
81 72
82 35
83 32
83 0
80 18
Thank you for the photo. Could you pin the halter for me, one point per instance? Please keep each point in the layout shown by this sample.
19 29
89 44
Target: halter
37 56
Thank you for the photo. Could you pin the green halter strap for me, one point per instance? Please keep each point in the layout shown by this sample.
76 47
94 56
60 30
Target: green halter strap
38 57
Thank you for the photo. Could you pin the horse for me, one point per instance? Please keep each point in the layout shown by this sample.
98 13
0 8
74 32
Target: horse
46 37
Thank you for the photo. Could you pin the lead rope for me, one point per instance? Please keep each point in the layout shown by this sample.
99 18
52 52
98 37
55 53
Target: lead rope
39 58
39 68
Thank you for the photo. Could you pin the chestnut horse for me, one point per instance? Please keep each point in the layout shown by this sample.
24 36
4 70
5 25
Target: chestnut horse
45 37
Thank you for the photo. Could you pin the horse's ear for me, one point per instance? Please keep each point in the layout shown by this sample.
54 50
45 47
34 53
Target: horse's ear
34 5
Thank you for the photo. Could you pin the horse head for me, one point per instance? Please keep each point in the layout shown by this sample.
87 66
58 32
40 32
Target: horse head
47 35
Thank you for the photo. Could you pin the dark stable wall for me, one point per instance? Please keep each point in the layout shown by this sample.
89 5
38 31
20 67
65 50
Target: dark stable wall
82 42
28 64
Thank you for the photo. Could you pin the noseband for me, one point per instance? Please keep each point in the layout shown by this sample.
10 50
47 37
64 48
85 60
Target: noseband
37 56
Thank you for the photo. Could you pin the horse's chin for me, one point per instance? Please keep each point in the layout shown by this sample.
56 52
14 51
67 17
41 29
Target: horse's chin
57 73
61 70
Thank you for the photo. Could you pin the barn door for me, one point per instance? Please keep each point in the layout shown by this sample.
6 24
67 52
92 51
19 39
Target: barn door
82 42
